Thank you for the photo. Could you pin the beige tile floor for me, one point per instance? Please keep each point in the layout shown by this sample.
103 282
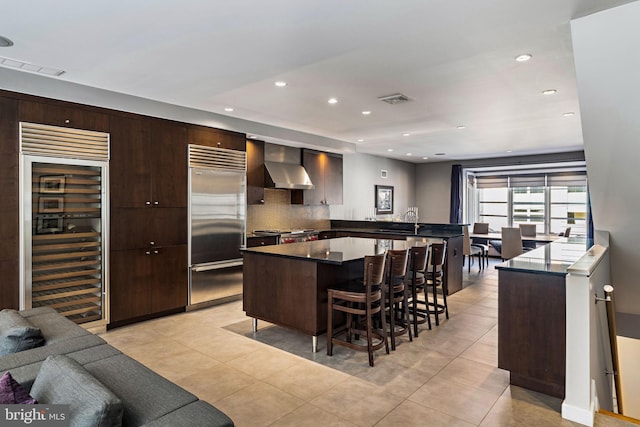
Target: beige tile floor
446 377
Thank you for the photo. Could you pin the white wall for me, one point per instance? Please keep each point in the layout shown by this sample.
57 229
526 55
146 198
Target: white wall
361 172
606 47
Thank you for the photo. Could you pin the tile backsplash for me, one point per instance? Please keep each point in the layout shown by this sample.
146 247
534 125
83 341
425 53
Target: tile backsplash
277 213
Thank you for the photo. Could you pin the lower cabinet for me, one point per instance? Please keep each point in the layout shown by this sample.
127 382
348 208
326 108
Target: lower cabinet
147 281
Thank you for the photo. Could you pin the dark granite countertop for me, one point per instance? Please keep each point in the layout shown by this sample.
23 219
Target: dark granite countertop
332 251
553 258
440 231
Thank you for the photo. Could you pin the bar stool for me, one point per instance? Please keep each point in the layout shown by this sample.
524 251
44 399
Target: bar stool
395 294
416 280
435 278
359 298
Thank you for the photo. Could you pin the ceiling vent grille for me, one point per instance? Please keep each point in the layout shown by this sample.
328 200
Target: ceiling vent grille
45 140
396 98
217 158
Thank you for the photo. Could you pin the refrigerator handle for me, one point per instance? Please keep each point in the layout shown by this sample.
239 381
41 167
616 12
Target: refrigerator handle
215 266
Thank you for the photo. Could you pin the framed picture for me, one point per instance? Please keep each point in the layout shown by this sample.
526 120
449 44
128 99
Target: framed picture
52 184
49 225
51 204
384 199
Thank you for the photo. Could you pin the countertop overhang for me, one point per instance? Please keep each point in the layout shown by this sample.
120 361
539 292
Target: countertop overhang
553 258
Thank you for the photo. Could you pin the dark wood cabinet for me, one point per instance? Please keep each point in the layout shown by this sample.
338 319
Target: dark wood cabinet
252 242
148 171
325 171
65 114
255 172
147 281
148 165
210 137
9 216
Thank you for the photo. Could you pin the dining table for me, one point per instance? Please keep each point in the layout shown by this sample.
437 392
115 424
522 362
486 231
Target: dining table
538 238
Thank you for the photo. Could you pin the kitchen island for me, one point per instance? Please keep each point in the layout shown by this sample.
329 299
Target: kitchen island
287 284
532 315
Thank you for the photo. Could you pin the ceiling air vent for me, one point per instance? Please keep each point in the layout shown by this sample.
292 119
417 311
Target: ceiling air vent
396 98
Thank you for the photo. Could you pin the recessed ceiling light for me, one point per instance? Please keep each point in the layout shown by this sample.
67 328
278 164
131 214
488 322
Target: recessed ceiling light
332 101
409 154
549 92
389 149
366 113
524 57
406 134
229 109
460 127
425 158
280 84
509 151
441 154
5 42
360 140
568 113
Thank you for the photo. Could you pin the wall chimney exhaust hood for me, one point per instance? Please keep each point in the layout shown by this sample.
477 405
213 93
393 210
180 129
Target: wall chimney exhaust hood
284 169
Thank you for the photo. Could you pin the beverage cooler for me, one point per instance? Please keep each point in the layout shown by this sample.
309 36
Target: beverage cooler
63 211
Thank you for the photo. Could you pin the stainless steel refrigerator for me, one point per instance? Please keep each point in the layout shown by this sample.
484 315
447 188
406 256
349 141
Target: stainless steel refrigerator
217 212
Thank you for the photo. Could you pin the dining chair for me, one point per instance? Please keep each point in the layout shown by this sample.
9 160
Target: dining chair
528 230
416 279
511 242
358 298
469 250
481 228
566 232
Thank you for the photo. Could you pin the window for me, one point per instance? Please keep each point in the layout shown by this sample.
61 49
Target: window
551 200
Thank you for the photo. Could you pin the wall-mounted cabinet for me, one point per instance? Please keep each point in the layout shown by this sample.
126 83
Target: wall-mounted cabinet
255 172
148 163
65 114
210 137
325 171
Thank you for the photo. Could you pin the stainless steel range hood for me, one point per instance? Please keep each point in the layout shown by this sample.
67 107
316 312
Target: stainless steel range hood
284 169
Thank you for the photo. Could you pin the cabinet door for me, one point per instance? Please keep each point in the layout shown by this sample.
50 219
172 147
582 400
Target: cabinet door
313 162
145 228
129 284
255 172
167 152
170 278
210 137
129 172
65 114
333 180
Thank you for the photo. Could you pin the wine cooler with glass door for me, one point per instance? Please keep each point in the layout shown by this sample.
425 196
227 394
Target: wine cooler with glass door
64 211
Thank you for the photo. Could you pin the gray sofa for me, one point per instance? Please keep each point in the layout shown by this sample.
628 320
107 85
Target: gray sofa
148 399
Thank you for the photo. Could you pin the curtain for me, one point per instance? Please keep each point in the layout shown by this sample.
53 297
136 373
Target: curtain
590 232
455 212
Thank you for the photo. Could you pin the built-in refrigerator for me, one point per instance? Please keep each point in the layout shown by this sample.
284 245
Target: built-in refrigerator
217 222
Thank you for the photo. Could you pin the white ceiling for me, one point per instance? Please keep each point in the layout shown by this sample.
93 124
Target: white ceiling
453 58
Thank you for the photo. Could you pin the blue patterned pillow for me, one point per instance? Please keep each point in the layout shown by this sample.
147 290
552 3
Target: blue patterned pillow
17 334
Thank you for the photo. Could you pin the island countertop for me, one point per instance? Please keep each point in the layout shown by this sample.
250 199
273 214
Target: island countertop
382 228
331 251
553 258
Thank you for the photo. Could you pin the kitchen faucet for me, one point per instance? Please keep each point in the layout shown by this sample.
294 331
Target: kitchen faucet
412 216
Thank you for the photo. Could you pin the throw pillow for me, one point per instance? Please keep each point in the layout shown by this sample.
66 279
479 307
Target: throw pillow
62 380
11 392
17 334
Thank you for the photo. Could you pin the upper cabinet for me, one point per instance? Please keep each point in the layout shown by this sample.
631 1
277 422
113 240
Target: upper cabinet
148 165
325 171
65 114
210 137
255 172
